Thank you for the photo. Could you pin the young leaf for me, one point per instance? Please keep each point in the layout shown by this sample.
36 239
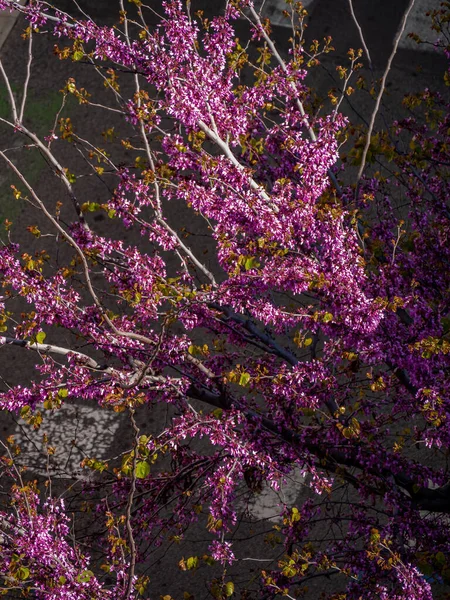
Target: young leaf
244 379
142 469
228 589
40 337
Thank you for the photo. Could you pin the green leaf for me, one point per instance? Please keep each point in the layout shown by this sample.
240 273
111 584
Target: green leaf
142 469
244 379
24 411
22 573
85 576
289 571
41 337
251 263
78 55
327 317
63 393
228 588
192 562
295 515
89 206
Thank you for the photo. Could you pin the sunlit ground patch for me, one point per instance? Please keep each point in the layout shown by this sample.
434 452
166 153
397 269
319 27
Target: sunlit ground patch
66 437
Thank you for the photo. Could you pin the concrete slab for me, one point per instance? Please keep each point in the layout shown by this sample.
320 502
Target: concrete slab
420 24
273 10
75 431
7 22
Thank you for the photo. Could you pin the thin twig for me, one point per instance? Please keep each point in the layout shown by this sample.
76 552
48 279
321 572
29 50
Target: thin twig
27 79
10 94
363 42
59 169
131 540
136 378
381 92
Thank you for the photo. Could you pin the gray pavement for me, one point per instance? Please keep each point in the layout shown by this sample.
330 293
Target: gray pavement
7 21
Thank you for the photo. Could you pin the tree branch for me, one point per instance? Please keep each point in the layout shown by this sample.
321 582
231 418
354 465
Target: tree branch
381 92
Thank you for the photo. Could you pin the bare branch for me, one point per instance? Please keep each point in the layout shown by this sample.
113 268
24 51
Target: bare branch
27 79
12 100
381 92
52 349
131 540
363 42
228 153
59 169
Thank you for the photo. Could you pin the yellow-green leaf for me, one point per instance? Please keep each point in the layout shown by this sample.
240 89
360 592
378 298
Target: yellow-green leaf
192 562
85 576
41 337
244 379
24 411
295 515
229 589
251 263
22 573
142 469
